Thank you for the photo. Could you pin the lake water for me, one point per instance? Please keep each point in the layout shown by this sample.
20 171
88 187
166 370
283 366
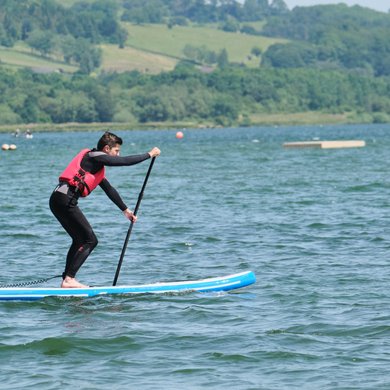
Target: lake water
312 224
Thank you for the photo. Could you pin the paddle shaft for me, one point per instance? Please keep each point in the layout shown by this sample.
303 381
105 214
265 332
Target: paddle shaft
140 196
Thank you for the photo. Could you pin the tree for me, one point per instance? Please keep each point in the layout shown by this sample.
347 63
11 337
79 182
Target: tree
256 51
225 110
4 39
41 41
122 35
69 106
230 25
254 10
8 116
223 59
104 104
191 52
291 55
29 111
278 7
27 27
87 56
200 54
11 28
152 11
67 45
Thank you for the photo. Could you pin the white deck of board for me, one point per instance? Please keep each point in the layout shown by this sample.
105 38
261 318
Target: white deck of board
326 144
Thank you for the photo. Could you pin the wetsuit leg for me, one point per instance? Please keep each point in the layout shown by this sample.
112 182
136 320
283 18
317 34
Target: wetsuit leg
84 240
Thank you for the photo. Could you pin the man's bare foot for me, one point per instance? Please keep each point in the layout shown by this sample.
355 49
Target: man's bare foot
69 282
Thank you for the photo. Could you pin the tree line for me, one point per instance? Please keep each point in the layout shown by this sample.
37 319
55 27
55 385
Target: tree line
226 96
200 11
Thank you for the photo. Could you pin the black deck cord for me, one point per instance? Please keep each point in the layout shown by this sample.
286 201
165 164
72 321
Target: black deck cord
24 284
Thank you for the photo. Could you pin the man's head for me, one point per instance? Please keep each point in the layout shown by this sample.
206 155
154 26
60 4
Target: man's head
110 143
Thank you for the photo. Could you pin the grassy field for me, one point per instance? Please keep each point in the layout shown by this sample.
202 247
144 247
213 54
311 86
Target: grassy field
20 56
159 39
128 58
155 48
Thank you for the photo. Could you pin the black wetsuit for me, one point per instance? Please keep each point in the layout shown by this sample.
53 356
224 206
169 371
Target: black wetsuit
64 205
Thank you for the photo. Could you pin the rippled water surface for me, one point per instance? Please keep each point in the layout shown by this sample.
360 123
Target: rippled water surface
312 224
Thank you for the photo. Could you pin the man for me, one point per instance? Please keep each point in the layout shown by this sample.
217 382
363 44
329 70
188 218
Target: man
84 173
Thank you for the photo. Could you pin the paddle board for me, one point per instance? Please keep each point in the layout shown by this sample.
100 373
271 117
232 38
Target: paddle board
224 283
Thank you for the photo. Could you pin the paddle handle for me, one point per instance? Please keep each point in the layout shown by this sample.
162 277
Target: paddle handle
140 196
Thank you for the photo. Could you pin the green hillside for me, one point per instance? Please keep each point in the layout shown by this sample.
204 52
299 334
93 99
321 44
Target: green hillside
154 48
158 38
150 48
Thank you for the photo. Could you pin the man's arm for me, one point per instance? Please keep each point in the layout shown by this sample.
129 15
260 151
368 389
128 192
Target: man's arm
118 161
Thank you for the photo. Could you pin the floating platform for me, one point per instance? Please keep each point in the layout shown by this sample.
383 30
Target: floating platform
326 144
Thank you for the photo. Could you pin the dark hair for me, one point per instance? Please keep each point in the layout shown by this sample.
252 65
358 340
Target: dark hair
108 139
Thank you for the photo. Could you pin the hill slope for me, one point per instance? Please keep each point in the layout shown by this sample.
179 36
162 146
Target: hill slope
158 38
150 48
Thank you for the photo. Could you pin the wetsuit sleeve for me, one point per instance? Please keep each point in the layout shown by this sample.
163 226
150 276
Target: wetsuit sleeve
113 194
118 161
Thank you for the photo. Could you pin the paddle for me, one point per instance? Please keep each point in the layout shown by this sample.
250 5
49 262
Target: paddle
140 196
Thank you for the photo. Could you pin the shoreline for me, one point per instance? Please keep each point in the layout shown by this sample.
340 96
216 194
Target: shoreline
280 119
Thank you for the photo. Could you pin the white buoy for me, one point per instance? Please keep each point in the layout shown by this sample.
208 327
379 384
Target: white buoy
5 147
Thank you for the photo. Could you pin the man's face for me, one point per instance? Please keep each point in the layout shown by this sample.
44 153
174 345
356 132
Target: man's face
114 151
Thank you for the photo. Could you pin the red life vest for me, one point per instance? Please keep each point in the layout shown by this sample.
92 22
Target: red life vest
77 177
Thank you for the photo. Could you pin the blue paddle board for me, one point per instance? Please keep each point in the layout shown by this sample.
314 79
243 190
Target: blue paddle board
224 283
